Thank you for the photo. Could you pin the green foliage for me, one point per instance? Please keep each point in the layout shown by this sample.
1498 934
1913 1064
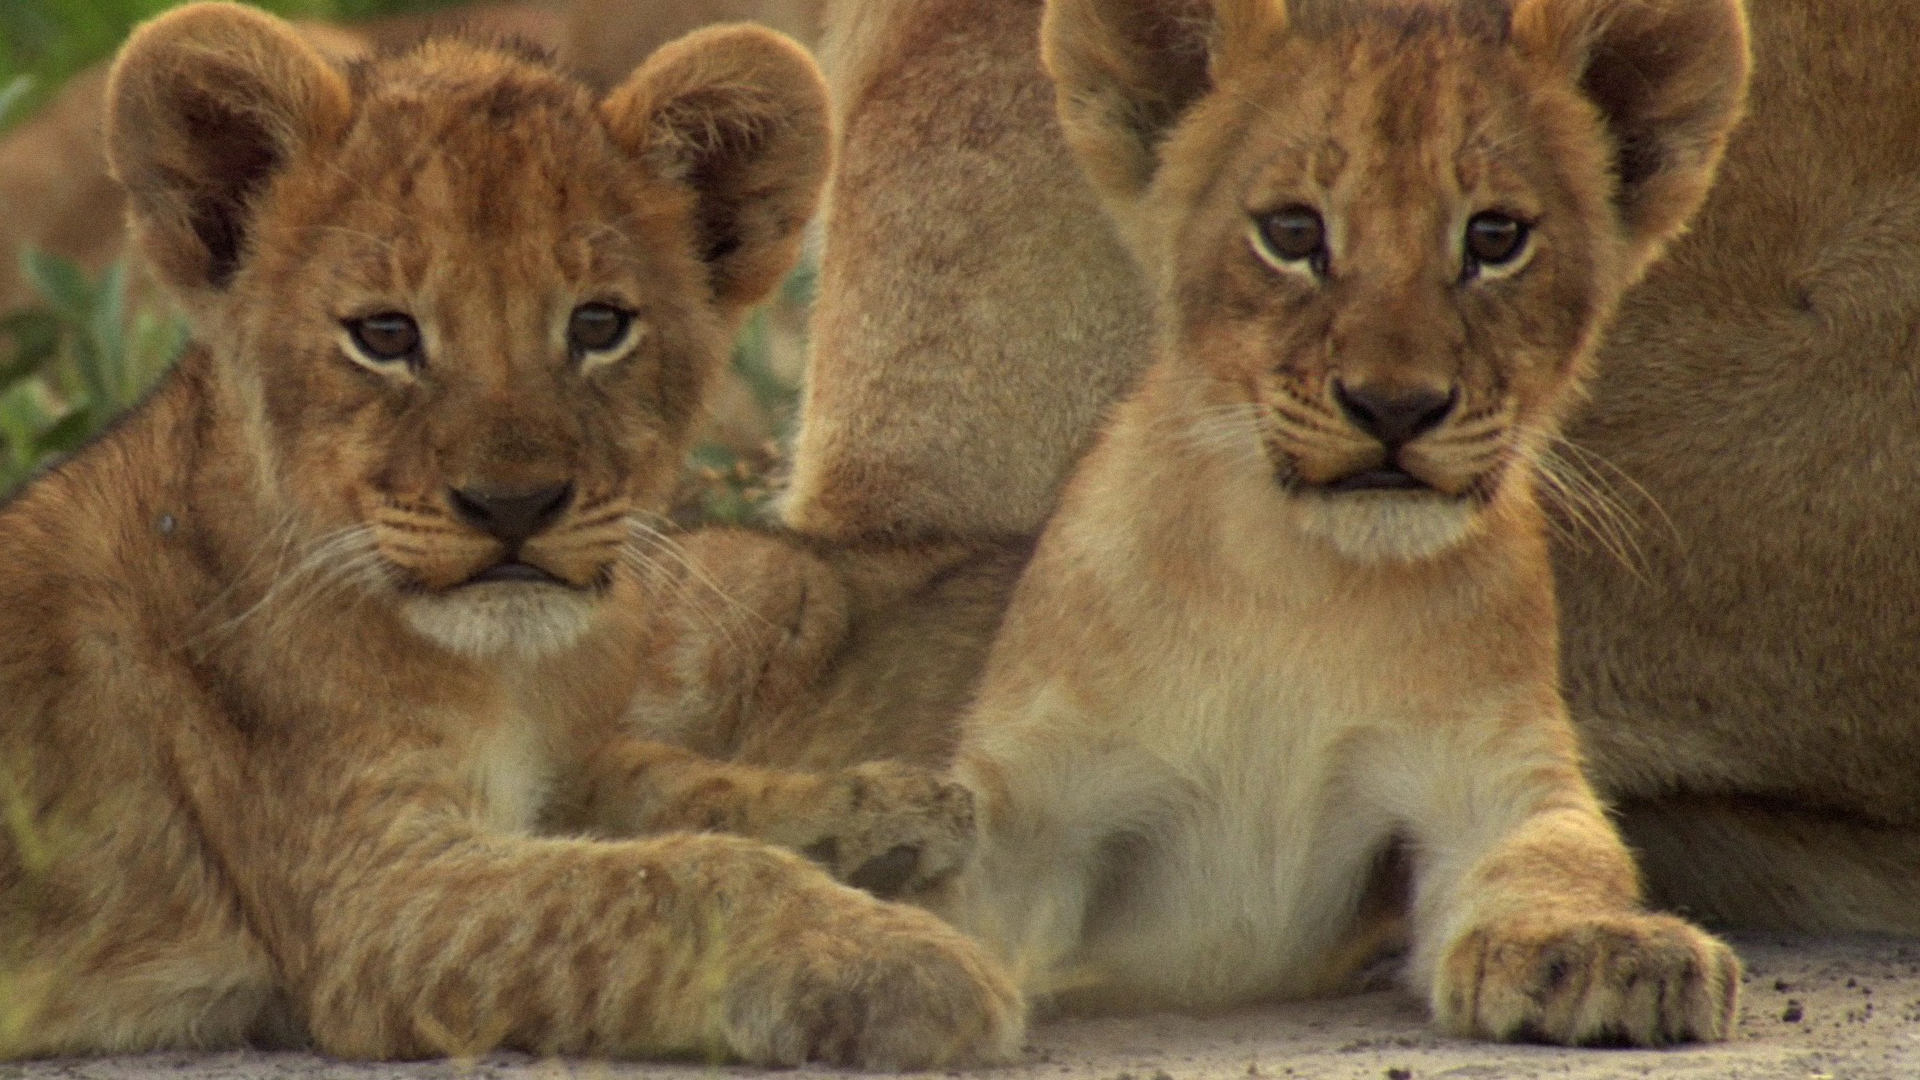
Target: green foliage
76 360
735 486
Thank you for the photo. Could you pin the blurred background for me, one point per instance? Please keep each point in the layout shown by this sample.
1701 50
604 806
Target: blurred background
82 336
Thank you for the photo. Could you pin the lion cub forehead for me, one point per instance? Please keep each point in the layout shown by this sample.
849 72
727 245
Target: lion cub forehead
1485 20
457 141
1403 100
504 77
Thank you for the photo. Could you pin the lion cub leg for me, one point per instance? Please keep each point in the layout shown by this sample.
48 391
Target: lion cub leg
1527 913
880 826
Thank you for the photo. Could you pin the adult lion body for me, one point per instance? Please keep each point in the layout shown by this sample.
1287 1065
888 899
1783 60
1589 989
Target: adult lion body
306 655
1742 679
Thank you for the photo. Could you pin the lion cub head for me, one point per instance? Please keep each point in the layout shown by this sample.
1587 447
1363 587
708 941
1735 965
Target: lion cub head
462 309
1385 233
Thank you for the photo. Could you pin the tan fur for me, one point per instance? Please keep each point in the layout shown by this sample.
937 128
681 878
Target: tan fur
939 400
602 39
273 765
942 403
1227 687
1744 678
1732 506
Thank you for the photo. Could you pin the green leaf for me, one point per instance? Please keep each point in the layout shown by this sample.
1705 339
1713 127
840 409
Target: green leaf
36 337
67 435
13 99
102 354
61 281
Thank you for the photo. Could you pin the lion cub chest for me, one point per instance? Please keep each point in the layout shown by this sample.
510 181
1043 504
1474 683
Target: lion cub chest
1241 876
510 771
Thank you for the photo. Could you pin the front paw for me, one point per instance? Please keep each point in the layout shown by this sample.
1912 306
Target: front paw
887 827
1627 980
883 987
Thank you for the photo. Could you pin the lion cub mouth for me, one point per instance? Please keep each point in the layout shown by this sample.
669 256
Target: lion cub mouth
1389 478
513 570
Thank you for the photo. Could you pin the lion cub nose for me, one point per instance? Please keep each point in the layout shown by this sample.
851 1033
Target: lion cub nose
1395 415
511 515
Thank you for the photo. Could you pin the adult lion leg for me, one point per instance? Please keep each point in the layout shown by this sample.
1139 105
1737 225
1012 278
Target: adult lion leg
1766 867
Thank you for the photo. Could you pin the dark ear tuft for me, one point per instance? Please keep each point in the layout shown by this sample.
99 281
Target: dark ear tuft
205 104
1670 79
739 115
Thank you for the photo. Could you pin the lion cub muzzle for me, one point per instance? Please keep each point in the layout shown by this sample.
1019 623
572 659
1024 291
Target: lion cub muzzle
512 516
1395 417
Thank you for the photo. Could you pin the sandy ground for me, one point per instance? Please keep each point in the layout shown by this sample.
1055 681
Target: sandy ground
1814 1010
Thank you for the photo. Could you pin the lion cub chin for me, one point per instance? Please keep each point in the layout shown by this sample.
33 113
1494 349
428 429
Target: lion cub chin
1281 682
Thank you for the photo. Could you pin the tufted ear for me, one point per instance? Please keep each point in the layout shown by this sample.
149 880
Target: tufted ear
1670 80
205 104
739 115
1126 71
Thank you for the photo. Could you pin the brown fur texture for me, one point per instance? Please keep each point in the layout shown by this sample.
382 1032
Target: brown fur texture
53 165
1731 506
1294 616
316 661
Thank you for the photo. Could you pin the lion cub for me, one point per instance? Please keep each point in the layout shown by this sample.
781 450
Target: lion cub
313 667
1293 625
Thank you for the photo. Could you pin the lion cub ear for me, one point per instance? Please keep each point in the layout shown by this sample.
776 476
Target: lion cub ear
739 115
1670 80
204 105
1126 72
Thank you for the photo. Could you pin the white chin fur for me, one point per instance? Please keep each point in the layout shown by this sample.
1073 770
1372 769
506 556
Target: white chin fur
502 619
1387 526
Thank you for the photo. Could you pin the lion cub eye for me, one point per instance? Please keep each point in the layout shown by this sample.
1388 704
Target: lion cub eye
1291 236
386 338
1494 240
597 328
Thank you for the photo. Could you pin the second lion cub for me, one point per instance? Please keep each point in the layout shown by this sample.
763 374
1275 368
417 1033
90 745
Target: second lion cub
1294 620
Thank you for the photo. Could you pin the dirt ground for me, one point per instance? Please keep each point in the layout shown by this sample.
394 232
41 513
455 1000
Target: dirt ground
1814 1010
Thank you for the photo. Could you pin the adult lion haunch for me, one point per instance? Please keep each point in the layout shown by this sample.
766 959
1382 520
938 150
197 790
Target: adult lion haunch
1743 680
303 656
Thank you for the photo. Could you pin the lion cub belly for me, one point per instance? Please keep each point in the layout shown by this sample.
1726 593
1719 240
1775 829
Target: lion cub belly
1245 884
1252 896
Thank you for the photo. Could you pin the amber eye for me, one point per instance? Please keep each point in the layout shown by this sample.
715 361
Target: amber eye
387 338
1294 234
595 328
1494 240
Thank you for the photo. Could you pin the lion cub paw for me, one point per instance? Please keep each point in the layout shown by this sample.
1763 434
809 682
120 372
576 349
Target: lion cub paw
888 828
892 989
1631 980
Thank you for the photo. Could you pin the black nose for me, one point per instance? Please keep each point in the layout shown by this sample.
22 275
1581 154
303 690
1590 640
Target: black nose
512 515
1394 415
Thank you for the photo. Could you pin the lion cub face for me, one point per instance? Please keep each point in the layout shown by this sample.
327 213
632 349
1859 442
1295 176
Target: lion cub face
468 308
1386 234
